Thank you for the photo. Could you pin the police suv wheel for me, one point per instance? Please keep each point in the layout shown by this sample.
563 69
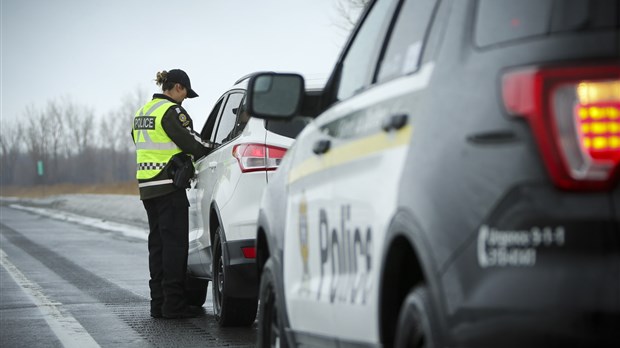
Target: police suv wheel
196 291
270 332
228 311
416 323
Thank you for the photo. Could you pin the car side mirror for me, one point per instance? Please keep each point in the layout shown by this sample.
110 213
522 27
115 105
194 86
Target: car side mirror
275 96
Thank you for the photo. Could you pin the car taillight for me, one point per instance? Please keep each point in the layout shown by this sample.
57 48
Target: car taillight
574 113
258 157
249 252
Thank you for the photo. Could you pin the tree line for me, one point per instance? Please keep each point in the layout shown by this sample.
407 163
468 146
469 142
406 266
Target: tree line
69 144
74 147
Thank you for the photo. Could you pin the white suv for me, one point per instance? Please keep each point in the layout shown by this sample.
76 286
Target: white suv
224 201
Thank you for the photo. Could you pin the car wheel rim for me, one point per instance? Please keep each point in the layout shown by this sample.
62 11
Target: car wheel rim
416 337
274 333
220 278
417 341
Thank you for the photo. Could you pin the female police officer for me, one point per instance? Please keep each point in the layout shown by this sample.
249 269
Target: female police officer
163 134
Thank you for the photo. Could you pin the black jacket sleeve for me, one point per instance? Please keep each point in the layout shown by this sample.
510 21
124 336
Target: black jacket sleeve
178 125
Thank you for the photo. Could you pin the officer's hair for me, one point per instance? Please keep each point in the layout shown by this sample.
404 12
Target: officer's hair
162 80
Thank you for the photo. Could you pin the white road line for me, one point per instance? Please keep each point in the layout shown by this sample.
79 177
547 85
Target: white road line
65 327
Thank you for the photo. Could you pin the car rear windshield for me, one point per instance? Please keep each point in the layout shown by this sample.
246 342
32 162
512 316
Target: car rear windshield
502 21
289 128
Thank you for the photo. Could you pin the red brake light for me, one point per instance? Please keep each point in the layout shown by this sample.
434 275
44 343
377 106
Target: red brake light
258 157
574 113
249 252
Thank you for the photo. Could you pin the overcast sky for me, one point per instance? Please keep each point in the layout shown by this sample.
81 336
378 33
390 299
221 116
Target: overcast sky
96 51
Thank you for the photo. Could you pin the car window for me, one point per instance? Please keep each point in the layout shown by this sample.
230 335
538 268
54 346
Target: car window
289 128
207 132
506 21
227 121
404 47
500 21
242 119
360 60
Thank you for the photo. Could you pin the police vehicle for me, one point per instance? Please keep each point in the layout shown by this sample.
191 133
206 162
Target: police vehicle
224 201
458 186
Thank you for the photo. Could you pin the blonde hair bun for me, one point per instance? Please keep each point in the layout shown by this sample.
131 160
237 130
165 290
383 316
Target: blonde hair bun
162 76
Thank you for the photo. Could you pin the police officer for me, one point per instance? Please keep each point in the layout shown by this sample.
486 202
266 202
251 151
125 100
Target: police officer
164 137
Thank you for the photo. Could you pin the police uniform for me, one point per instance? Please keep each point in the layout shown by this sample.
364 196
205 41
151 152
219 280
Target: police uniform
162 129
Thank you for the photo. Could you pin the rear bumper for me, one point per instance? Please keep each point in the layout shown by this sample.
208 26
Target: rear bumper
543 270
540 329
241 273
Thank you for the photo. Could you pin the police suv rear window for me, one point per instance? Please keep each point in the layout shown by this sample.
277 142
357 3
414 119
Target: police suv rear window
502 21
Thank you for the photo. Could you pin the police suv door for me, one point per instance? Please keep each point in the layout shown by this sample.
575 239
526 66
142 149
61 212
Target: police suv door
360 146
345 169
371 139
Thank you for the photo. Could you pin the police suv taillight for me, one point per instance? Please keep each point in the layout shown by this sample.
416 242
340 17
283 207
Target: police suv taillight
574 113
258 157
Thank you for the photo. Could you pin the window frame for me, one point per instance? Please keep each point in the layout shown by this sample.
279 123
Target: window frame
228 95
389 36
237 129
210 123
378 50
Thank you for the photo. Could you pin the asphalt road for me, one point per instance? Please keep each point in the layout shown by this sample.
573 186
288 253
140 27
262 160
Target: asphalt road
68 285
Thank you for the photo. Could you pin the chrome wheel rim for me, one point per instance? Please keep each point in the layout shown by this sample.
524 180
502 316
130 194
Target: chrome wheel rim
274 329
220 276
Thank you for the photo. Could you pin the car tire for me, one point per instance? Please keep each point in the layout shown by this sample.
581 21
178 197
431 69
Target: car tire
196 291
270 329
416 325
228 311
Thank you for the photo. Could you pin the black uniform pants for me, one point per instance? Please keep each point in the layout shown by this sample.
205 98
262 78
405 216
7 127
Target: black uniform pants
168 246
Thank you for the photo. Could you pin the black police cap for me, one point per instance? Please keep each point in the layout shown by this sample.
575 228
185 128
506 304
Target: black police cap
179 76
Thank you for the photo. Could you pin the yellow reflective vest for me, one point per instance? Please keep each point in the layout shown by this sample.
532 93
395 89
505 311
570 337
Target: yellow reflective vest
154 148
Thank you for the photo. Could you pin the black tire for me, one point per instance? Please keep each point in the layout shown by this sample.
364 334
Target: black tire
228 311
270 329
416 325
196 291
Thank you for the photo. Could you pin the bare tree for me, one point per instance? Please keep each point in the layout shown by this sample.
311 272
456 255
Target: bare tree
11 137
35 136
125 115
124 120
36 139
71 143
55 134
79 140
104 129
349 12
107 149
80 126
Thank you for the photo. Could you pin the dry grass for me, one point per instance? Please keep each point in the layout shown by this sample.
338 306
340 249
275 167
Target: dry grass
125 188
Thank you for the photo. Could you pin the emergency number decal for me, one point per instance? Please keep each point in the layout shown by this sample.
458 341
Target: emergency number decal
498 248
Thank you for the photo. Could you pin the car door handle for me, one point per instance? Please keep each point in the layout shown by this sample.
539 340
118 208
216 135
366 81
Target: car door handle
212 165
394 122
321 146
